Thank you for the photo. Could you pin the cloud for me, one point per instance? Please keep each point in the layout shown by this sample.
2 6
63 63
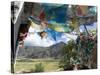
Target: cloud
35 40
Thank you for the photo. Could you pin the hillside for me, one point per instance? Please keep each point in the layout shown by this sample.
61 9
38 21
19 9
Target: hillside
41 52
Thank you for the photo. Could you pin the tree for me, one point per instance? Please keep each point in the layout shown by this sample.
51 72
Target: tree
69 57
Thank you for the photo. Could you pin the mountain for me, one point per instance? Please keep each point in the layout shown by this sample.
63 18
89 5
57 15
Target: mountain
41 52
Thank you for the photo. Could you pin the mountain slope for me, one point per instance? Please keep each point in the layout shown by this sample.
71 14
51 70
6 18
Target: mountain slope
41 52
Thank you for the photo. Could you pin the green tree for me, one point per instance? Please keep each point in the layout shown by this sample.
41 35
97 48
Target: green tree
69 56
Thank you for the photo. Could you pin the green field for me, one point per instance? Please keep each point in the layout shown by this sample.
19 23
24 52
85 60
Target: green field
28 65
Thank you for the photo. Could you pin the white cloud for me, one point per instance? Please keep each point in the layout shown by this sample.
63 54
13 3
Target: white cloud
35 40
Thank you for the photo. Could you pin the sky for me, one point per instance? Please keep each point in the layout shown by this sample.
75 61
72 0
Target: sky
89 27
34 39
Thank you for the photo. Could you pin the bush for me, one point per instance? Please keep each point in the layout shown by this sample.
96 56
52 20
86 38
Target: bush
39 68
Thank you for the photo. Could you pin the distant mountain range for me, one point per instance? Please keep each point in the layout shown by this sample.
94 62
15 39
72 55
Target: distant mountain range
54 51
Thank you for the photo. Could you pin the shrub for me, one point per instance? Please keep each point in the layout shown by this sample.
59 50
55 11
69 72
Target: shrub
39 68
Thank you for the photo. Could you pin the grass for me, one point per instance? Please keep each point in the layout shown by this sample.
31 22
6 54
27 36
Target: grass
25 65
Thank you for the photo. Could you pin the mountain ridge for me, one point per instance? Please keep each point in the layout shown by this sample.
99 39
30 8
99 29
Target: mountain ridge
54 51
